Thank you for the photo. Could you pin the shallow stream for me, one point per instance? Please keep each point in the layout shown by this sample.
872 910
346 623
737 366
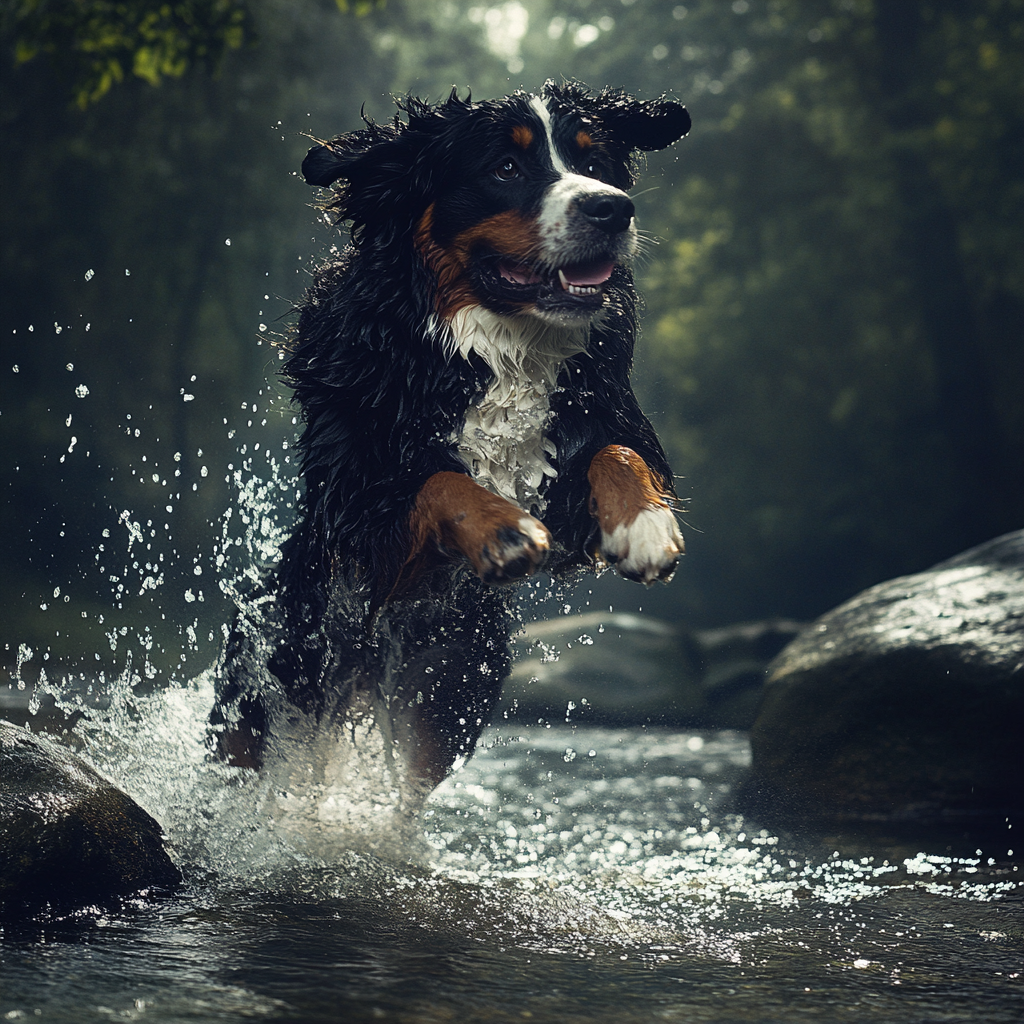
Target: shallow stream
563 874
566 873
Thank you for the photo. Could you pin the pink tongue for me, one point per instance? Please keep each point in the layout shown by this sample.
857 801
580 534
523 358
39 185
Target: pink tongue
588 273
519 273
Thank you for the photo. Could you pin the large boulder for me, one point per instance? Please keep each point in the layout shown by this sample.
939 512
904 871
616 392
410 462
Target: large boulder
68 838
905 702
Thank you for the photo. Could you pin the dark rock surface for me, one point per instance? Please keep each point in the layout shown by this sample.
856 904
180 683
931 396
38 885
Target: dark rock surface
68 838
905 702
613 668
734 659
625 669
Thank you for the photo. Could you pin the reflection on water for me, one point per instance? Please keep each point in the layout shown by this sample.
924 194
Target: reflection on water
563 874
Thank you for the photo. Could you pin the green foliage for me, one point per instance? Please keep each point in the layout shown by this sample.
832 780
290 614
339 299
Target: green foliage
834 326
96 43
832 342
360 8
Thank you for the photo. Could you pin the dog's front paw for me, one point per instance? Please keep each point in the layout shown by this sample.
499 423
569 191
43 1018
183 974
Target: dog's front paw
454 516
639 532
512 550
645 550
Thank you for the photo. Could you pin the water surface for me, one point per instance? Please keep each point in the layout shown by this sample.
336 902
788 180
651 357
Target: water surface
563 874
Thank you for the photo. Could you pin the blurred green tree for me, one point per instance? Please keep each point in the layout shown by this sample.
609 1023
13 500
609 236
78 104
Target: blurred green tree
835 310
834 329
94 44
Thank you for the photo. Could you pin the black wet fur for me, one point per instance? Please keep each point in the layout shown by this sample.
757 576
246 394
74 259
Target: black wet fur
380 403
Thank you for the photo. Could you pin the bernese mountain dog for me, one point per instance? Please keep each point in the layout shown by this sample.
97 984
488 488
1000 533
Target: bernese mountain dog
462 371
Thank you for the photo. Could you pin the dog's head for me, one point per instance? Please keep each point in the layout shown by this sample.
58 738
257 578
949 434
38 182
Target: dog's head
518 205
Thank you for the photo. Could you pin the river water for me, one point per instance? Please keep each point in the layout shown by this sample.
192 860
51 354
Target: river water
564 874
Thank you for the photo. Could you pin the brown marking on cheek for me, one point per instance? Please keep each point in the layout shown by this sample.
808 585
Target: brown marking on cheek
522 136
453 287
583 139
622 486
507 233
454 515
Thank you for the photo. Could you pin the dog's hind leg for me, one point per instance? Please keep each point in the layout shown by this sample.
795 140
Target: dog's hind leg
442 706
445 680
239 730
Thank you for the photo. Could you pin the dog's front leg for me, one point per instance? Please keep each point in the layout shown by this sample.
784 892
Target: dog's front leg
639 532
455 515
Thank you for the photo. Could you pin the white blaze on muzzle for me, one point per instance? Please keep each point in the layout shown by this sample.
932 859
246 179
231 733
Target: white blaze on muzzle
569 234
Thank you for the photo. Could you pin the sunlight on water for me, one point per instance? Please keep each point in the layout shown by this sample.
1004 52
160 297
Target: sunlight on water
556 843
632 821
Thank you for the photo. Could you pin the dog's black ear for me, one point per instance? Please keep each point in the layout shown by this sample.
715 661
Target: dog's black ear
369 170
337 158
378 173
323 166
646 125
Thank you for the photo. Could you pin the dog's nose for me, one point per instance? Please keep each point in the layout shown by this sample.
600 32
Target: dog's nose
611 213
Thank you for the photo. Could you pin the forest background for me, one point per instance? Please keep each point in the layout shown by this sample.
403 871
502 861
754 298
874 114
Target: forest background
833 341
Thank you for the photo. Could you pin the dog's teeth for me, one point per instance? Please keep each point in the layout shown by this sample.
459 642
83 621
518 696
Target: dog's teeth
576 289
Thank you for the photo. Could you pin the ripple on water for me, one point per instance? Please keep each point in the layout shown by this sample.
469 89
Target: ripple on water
630 830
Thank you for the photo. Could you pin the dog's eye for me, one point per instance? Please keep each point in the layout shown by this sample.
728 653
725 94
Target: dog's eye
506 171
591 170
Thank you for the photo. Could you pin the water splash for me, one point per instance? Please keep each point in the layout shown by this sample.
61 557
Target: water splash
552 839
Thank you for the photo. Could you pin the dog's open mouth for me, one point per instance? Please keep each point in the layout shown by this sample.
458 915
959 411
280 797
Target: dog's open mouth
578 287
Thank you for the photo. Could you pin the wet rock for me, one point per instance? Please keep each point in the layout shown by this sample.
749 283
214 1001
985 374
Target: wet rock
68 838
905 702
613 669
734 659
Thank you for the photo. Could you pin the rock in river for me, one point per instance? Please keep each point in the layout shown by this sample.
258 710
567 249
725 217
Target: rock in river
905 702
605 668
68 838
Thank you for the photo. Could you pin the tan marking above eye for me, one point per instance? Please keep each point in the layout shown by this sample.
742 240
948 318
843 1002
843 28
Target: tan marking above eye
583 139
522 136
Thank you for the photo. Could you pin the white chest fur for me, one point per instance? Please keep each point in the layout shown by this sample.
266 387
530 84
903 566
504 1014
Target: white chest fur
504 442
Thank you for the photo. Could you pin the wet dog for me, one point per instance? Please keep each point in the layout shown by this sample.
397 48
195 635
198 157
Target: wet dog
462 371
